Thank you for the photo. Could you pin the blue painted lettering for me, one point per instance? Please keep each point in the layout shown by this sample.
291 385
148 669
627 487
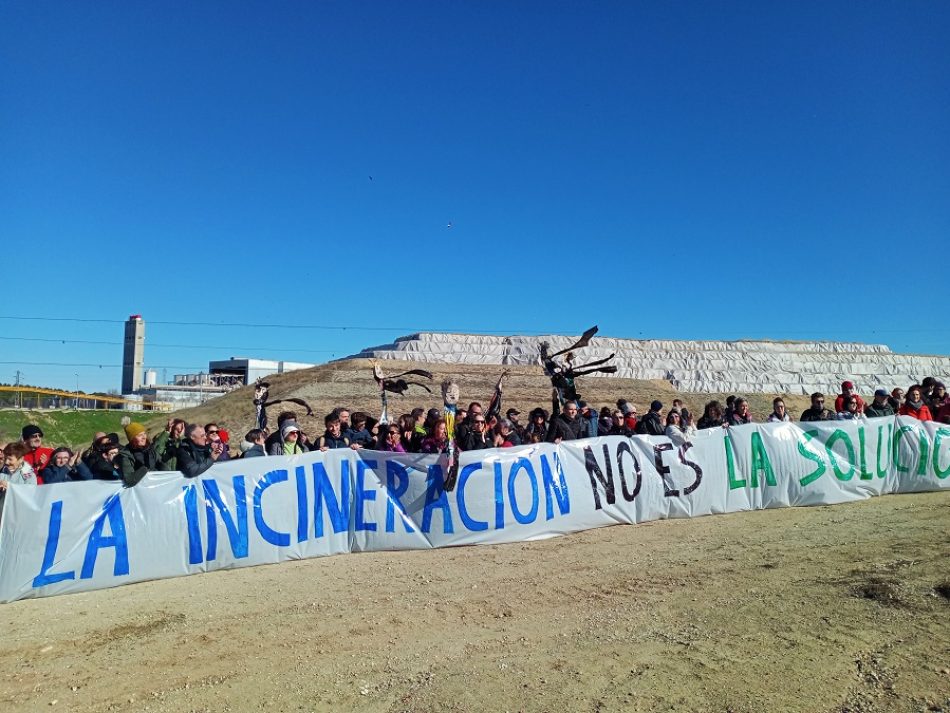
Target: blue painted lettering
274 537
470 523
436 499
397 483
111 512
49 552
338 510
363 495
236 524
525 518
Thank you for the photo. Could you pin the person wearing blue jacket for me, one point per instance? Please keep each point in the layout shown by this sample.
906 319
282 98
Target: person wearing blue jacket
65 467
588 420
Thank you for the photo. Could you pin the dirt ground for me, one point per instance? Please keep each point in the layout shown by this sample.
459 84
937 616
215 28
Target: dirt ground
840 608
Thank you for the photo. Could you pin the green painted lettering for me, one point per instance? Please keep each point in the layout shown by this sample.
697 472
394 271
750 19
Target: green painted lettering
760 461
731 465
895 457
842 436
806 450
939 436
924 450
881 443
865 475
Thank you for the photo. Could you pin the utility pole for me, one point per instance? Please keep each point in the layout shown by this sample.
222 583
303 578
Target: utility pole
77 392
19 403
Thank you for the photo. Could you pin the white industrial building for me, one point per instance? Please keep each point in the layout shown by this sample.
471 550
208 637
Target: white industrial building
189 389
250 370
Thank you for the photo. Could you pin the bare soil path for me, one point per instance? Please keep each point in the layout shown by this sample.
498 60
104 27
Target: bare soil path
840 608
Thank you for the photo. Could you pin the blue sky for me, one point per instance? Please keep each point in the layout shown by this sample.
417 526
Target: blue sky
665 170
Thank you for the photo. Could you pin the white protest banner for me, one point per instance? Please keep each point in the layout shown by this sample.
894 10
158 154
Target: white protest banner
73 537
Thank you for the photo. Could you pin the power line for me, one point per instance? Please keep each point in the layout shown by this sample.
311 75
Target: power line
250 325
225 324
63 319
151 345
413 329
101 366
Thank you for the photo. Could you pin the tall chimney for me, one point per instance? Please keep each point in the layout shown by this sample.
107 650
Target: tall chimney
133 354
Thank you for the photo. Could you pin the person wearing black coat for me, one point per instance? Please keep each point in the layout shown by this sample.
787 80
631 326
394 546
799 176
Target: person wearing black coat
477 437
618 425
712 416
879 407
99 461
537 427
138 457
464 428
652 424
817 412
566 426
195 456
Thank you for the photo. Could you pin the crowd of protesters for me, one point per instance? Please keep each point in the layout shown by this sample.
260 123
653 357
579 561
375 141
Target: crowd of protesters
193 448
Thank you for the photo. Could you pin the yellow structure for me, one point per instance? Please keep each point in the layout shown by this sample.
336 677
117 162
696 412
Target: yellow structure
39 392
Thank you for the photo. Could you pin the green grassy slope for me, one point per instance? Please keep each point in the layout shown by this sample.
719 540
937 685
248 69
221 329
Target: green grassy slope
70 428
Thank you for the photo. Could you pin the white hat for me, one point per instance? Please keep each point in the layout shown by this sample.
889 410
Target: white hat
288 429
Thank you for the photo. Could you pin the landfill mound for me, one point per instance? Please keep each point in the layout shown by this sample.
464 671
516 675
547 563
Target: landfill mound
744 366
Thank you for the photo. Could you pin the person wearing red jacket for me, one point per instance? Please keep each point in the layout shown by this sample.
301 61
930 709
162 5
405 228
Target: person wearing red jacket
914 405
847 389
38 456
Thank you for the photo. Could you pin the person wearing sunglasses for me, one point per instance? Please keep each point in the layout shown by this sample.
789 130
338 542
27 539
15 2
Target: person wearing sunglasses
37 455
817 412
214 441
392 443
478 437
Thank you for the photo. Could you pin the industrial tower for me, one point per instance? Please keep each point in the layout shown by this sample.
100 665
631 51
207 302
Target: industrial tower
133 354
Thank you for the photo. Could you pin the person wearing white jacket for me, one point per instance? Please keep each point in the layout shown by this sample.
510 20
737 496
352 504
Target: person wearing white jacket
674 429
779 414
15 469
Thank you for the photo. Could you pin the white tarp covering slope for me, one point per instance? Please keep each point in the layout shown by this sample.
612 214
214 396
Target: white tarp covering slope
694 366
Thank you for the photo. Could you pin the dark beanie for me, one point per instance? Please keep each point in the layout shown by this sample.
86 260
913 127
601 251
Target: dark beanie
656 406
30 431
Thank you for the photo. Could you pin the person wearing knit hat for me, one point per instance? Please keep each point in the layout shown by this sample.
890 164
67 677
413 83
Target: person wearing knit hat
847 389
38 455
134 430
652 423
138 457
290 443
31 430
